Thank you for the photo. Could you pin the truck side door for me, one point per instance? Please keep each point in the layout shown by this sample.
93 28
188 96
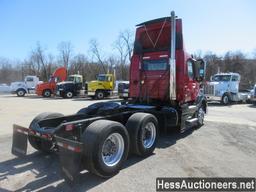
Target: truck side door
234 84
78 83
191 87
110 81
30 82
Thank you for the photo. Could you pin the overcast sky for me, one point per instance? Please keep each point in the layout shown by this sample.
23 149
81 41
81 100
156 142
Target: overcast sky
209 25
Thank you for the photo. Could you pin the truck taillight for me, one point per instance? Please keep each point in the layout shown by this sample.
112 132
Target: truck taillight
47 136
69 127
32 132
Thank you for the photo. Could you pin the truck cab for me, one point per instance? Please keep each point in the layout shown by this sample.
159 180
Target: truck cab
224 87
123 89
153 75
46 89
71 87
102 87
23 87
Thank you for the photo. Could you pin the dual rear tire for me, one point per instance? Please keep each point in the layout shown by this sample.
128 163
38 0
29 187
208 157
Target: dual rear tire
108 143
143 132
107 146
37 142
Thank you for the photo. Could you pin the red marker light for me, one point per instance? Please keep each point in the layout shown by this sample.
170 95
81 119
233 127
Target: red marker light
69 127
46 136
32 132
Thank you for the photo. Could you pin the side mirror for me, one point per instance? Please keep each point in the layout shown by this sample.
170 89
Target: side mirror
200 69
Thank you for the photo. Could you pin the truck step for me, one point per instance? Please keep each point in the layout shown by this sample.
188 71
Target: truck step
189 110
192 121
188 124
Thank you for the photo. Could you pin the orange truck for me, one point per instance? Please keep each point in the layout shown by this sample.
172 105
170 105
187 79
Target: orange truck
46 89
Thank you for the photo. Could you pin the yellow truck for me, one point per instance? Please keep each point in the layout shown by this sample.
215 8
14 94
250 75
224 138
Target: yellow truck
102 87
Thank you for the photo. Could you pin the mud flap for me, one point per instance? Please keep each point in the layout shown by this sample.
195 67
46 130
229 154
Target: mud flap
19 140
70 155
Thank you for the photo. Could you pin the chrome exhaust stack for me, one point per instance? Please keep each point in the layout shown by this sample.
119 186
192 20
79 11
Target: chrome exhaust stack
172 60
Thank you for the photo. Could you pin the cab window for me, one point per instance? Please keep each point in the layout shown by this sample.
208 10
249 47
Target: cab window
71 78
234 78
155 65
78 80
102 78
220 78
190 69
29 79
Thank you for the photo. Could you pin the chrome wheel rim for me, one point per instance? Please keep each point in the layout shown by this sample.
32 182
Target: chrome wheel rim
69 94
225 99
20 93
149 135
100 95
47 93
112 149
201 116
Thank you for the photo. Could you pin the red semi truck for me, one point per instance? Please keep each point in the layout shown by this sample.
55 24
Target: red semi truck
46 89
164 93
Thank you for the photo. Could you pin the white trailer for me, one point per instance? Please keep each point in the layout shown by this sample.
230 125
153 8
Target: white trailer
224 87
27 86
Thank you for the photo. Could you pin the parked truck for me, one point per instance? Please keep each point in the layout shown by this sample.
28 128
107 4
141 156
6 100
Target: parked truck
21 88
165 94
46 89
72 87
102 87
123 89
224 87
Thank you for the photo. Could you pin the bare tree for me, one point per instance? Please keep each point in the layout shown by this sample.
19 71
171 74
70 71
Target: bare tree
120 46
128 38
39 59
198 54
9 70
213 64
94 48
65 50
124 47
51 64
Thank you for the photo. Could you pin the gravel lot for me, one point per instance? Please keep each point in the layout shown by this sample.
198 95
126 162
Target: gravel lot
224 147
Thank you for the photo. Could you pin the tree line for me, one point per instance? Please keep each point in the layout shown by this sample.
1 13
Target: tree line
236 62
42 64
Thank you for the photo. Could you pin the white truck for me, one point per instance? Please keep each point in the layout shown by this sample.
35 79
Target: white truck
4 88
224 87
27 86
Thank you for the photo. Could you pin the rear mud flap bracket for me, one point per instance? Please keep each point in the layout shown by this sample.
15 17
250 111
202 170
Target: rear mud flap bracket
19 140
70 155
